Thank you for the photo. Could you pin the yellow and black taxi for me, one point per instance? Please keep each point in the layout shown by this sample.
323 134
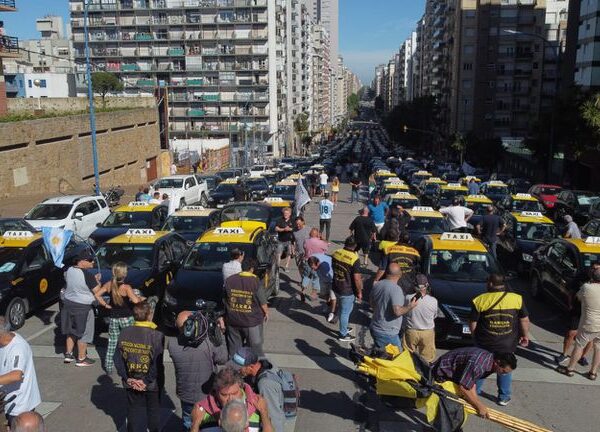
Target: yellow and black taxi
495 190
29 280
277 205
417 177
406 200
457 266
285 189
256 187
266 211
429 190
392 186
382 175
521 202
201 275
524 233
560 267
224 193
136 214
423 221
191 221
450 191
152 258
479 205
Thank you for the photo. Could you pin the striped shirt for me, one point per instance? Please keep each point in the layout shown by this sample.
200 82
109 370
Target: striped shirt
464 366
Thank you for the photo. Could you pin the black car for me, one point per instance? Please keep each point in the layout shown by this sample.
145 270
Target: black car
29 279
250 211
518 185
591 229
284 190
495 190
230 173
223 194
212 181
257 188
575 203
559 268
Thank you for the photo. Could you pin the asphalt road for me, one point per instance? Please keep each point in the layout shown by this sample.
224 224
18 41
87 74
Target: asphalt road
334 397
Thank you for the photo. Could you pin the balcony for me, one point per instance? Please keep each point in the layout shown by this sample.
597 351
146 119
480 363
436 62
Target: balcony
8 6
196 112
9 46
146 83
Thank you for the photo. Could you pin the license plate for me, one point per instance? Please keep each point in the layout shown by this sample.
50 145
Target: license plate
466 329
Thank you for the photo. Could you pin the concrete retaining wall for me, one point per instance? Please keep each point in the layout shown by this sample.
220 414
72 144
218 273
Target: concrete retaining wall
17 105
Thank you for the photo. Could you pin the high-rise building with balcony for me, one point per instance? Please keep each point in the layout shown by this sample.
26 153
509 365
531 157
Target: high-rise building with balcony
52 52
211 56
320 112
9 48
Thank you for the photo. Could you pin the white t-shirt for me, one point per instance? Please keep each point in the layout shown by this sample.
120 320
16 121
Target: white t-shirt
323 177
456 216
17 355
325 209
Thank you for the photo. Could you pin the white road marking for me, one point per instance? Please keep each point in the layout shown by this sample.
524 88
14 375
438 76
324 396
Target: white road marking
40 332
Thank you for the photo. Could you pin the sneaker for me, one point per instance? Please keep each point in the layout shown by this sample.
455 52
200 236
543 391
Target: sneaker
69 358
583 361
503 402
330 317
347 338
561 358
350 330
85 362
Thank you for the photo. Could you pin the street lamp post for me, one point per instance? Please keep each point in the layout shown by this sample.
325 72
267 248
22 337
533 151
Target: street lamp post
88 73
545 42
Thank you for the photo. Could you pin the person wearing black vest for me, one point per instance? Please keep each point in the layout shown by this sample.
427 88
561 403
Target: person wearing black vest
246 309
347 284
407 257
499 322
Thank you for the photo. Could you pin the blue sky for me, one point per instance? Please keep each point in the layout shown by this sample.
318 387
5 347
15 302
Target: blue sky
370 31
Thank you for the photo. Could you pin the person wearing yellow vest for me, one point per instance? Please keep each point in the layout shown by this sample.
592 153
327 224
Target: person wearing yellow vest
347 284
246 309
407 257
499 322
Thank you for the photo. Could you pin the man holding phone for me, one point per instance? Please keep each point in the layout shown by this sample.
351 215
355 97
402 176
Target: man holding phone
419 336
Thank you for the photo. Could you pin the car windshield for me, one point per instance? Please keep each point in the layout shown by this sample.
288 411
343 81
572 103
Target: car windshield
418 178
521 206
212 256
14 225
9 258
186 223
549 191
458 265
128 219
226 174
225 189
284 190
535 231
168 183
586 200
404 203
431 188
429 225
478 208
451 193
589 259
257 183
49 212
136 256
497 190
250 212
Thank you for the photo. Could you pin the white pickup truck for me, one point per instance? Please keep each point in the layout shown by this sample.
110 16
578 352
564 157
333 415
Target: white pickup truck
182 190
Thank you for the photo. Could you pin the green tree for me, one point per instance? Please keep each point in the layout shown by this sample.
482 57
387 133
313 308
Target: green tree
301 128
420 116
104 83
353 105
459 143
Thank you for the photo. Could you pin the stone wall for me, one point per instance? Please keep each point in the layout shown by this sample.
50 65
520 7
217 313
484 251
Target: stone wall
18 105
54 155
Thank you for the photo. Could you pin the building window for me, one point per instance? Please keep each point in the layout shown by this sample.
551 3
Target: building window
29 83
43 83
467 66
468 49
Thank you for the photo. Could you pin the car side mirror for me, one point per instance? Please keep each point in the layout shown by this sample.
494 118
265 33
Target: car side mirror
78 215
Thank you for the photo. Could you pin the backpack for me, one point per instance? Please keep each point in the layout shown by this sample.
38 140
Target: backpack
195 329
290 388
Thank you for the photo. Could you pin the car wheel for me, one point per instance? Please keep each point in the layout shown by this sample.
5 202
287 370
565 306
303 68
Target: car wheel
203 200
16 313
182 204
536 288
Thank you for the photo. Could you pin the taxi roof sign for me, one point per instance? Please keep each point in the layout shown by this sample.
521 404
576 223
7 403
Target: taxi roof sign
423 172
483 197
193 208
142 232
17 234
451 236
137 204
593 240
273 199
423 209
229 230
496 183
403 194
523 195
454 185
532 214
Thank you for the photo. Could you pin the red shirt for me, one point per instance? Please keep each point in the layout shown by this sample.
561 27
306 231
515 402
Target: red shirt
314 245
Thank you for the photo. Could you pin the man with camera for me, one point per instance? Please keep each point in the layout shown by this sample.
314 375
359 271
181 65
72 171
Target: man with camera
195 359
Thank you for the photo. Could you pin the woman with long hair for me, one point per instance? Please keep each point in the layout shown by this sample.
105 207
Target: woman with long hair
122 297
335 189
372 185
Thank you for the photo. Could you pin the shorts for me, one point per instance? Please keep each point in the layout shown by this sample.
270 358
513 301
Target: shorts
583 338
365 247
284 247
379 226
88 334
326 291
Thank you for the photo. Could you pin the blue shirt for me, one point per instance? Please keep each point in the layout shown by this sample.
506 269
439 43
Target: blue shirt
325 270
473 188
325 209
377 212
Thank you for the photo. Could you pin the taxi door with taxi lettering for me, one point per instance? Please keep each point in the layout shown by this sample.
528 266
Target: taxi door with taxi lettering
41 280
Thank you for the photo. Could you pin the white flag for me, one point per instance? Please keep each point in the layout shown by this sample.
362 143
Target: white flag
301 197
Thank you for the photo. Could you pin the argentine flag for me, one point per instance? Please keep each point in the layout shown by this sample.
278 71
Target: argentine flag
301 196
56 240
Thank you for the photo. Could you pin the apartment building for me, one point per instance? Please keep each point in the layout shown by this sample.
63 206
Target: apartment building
326 13
320 111
52 52
587 63
212 57
9 49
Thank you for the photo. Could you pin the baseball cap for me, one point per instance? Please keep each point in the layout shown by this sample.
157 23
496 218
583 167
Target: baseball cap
243 357
422 280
